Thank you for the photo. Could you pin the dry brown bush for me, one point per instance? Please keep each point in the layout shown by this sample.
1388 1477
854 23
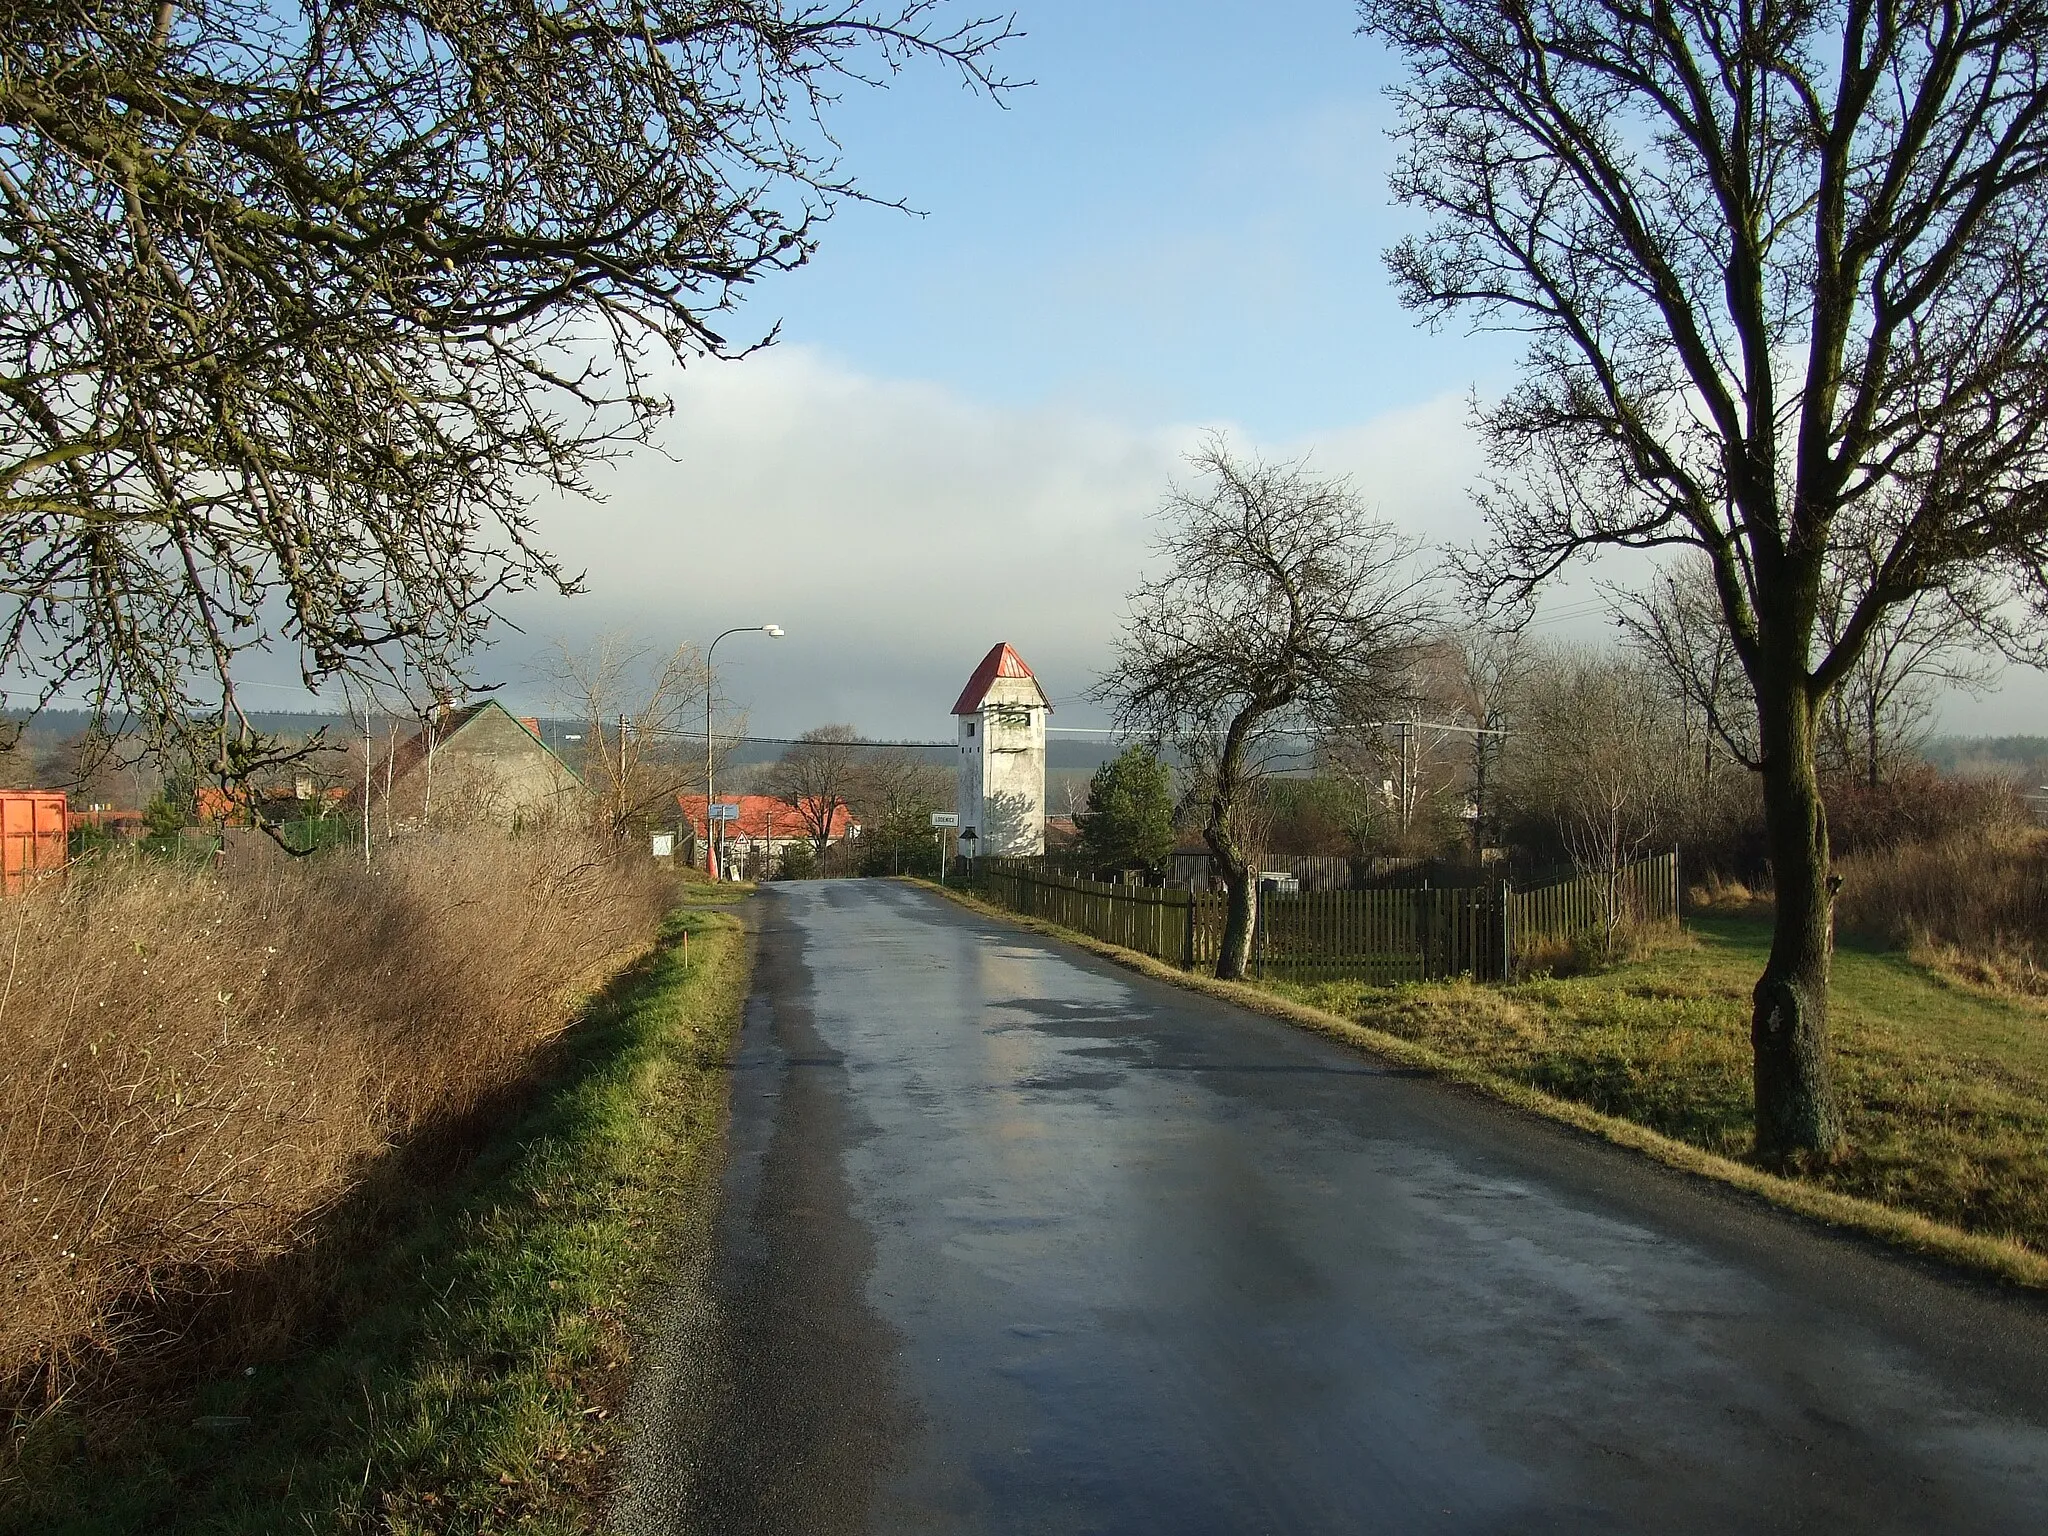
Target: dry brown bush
197 1067
1979 900
1921 805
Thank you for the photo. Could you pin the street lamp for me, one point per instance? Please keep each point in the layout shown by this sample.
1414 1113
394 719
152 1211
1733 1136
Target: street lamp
773 632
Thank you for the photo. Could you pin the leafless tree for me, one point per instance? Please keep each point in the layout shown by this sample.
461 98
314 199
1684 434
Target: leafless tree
1479 671
818 778
1283 607
1881 712
1675 626
1876 717
301 303
1781 267
1069 791
642 713
894 794
1594 754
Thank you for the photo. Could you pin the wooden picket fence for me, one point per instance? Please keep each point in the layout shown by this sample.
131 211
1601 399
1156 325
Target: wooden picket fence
1165 922
1378 936
1642 893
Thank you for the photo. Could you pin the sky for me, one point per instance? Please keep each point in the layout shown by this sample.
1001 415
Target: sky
971 413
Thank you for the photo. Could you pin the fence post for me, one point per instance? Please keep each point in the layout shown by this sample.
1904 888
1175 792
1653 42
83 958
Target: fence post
1507 932
1258 927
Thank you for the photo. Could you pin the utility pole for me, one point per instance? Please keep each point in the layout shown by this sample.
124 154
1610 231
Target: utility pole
366 783
1401 743
773 632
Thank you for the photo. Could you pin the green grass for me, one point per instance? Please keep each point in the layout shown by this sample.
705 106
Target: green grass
1944 1086
480 1351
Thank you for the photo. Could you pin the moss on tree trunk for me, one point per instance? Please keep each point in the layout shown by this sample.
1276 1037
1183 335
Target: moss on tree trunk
1796 1113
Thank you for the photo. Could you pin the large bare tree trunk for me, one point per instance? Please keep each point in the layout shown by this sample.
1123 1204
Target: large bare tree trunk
1796 1112
1234 955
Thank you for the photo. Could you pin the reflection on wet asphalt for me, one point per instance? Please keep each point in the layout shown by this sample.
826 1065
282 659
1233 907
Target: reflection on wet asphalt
1016 1241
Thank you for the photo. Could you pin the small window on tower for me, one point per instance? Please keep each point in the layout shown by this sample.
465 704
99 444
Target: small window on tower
970 727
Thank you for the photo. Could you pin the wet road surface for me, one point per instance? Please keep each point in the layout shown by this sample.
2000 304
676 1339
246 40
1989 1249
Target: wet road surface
1015 1241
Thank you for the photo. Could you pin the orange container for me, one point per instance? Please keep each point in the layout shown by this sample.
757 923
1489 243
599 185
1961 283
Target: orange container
33 840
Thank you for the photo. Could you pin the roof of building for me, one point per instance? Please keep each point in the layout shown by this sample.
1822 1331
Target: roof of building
764 816
412 752
211 802
999 662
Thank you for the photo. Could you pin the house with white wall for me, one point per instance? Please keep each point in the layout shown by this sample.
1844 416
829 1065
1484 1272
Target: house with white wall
1001 716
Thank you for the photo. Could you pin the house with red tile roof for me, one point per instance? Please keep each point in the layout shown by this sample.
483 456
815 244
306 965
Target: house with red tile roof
764 827
237 806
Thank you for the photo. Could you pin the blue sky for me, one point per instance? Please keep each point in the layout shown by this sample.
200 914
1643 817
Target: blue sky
972 413
1180 220
1176 227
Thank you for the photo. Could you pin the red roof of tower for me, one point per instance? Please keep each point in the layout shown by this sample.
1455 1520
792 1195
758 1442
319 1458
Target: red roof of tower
1000 662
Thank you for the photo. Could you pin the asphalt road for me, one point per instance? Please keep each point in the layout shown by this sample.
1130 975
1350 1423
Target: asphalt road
1013 1240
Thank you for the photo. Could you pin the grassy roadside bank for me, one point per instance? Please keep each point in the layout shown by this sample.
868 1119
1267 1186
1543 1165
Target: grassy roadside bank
468 1382
1947 1086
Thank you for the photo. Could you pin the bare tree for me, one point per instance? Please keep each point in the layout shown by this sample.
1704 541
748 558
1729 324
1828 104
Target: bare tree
1880 714
1876 717
894 794
1283 607
1783 275
642 715
301 303
818 778
1594 755
1676 627
1479 672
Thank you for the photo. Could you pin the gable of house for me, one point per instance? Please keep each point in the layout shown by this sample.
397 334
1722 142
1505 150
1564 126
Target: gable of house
480 764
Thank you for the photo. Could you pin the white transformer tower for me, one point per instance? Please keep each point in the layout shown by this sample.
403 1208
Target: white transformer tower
1001 714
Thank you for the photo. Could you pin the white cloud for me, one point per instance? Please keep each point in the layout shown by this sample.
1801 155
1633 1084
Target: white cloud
897 530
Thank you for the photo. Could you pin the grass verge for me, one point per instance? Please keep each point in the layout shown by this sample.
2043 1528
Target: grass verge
469 1386
1946 1089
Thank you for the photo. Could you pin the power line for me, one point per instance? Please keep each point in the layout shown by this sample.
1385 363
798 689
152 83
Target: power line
667 733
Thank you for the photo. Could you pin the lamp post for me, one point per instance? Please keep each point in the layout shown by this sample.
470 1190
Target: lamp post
774 632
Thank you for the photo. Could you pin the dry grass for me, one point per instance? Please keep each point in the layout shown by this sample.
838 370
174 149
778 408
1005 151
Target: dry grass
1975 905
1723 896
1591 951
1944 1089
198 1067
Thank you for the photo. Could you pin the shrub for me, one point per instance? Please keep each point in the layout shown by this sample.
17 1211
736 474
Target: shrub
199 1067
1981 896
1919 805
163 818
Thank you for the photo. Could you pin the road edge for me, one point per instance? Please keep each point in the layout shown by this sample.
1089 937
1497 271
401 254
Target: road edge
1983 1257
